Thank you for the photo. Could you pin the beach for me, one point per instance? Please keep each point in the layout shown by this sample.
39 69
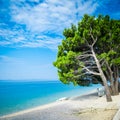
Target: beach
23 95
85 107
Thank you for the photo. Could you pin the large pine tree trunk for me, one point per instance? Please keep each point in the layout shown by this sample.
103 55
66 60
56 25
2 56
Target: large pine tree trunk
113 76
110 77
116 78
116 88
108 95
113 91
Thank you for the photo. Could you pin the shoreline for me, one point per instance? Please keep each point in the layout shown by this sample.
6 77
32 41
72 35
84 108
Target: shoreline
30 110
40 107
72 108
23 99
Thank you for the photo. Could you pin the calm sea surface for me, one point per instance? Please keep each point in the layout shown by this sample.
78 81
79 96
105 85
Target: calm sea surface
19 95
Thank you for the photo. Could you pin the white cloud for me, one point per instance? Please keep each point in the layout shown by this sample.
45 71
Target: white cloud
4 43
19 39
44 21
51 15
10 60
45 42
4 58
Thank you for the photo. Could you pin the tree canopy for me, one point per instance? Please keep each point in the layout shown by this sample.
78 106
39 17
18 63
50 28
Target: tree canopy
90 52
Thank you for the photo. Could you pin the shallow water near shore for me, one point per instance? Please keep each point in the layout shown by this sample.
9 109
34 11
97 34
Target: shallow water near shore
20 95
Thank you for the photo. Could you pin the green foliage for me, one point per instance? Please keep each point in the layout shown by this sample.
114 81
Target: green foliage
77 40
116 61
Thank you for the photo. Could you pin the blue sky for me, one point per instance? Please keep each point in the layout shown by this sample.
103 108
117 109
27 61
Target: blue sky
31 30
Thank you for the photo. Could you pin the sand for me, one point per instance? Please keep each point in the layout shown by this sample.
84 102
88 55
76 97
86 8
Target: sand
85 107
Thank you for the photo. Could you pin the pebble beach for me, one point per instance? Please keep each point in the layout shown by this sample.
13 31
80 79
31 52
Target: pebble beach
85 107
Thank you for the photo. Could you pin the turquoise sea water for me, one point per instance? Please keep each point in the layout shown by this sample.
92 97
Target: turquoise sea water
19 95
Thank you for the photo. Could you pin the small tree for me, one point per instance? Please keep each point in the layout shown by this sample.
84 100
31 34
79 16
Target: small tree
79 55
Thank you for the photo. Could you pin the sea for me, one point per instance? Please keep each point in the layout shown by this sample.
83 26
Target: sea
17 95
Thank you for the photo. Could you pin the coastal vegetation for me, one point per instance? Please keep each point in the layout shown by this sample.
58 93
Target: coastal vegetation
90 53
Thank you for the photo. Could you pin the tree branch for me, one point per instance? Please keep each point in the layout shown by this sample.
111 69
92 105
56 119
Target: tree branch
89 71
94 39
